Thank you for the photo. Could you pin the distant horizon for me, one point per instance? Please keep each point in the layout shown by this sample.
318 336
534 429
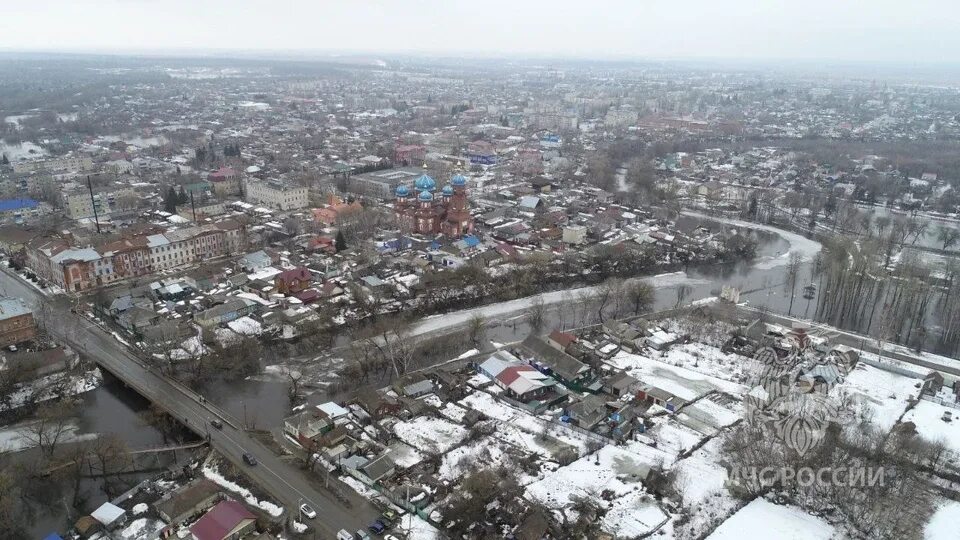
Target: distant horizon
880 31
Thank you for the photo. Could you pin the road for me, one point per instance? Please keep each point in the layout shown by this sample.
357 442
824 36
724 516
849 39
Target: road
285 483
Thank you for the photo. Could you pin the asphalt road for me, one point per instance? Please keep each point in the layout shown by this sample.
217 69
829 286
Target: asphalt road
285 483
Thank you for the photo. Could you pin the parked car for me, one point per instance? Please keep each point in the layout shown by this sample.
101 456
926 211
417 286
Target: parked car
388 516
377 527
361 535
306 510
344 534
216 423
249 459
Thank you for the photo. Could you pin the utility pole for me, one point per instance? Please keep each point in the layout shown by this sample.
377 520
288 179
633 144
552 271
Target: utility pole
93 204
193 207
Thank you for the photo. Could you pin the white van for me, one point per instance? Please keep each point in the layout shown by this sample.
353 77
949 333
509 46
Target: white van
344 535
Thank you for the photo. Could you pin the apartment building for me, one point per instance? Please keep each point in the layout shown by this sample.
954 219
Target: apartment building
78 269
275 194
65 163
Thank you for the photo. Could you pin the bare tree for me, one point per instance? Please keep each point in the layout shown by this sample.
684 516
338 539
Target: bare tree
794 264
52 424
683 291
948 236
536 314
476 327
640 295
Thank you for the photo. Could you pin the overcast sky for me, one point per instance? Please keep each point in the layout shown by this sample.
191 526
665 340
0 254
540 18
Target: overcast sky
856 30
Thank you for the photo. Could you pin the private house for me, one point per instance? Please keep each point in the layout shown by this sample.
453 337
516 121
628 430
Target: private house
293 281
110 516
586 412
228 520
380 468
566 369
561 341
188 501
228 311
660 397
520 381
620 384
306 427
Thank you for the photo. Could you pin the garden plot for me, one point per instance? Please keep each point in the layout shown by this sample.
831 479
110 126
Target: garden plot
523 429
452 411
673 437
763 519
707 416
630 512
679 381
431 435
927 417
702 482
884 395
404 455
708 360
458 461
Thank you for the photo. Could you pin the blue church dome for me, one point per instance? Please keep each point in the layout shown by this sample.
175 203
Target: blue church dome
425 183
403 191
426 196
458 180
447 190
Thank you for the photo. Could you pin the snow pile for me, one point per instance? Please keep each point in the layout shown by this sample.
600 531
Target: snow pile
299 527
139 509
267 506
418 529
763 519
141 529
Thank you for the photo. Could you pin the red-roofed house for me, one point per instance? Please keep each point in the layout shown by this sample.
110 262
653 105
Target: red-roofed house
228 520
522 382
561 341
293 281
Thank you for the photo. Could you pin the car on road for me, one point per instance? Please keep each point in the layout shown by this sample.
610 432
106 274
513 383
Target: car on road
306 510
249 459
344 534
377 527
216 423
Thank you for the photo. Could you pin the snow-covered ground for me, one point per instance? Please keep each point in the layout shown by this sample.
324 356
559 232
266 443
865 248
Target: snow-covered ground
56 385
619 470
763 519
680 381
431 435
943 525
882 394
927 417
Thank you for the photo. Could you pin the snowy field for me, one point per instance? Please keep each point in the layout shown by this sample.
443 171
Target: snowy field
762 519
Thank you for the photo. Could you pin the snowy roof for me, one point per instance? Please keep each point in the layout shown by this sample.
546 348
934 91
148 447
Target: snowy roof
107 514
333 410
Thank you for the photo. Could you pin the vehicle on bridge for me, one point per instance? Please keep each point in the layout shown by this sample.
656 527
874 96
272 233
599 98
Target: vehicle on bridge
216 423
249 459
